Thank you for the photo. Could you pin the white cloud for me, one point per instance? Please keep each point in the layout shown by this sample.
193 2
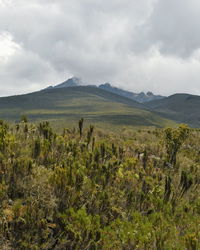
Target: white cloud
7 47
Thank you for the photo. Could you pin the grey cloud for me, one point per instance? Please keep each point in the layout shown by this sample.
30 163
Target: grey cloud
174 25
127 42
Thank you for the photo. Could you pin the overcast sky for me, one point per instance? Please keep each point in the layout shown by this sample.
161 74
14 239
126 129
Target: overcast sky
138 45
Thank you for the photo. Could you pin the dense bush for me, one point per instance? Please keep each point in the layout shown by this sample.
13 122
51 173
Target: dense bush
87 189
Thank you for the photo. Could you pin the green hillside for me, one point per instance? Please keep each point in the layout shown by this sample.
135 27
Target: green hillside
67 105
182 108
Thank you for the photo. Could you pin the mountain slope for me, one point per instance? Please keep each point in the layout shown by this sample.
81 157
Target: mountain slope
69 104
179 107
139 97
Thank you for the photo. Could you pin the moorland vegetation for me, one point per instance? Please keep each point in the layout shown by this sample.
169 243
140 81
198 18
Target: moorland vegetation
86 188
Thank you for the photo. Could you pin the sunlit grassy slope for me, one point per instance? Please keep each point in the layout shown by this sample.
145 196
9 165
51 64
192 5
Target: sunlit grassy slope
67 105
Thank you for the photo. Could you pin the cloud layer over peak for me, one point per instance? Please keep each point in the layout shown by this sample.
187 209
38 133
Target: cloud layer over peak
146 45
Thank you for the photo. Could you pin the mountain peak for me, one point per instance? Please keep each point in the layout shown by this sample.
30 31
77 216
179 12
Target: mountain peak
139 97
72 82
149 93
76 80
106 85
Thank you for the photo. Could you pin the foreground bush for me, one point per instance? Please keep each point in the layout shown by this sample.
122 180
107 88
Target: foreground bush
92 190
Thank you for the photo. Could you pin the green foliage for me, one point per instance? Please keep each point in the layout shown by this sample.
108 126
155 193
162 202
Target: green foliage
3 135
24 118
36 148
88 189
80 127
174 138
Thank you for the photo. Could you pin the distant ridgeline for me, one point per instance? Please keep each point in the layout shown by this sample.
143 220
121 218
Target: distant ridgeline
139 97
